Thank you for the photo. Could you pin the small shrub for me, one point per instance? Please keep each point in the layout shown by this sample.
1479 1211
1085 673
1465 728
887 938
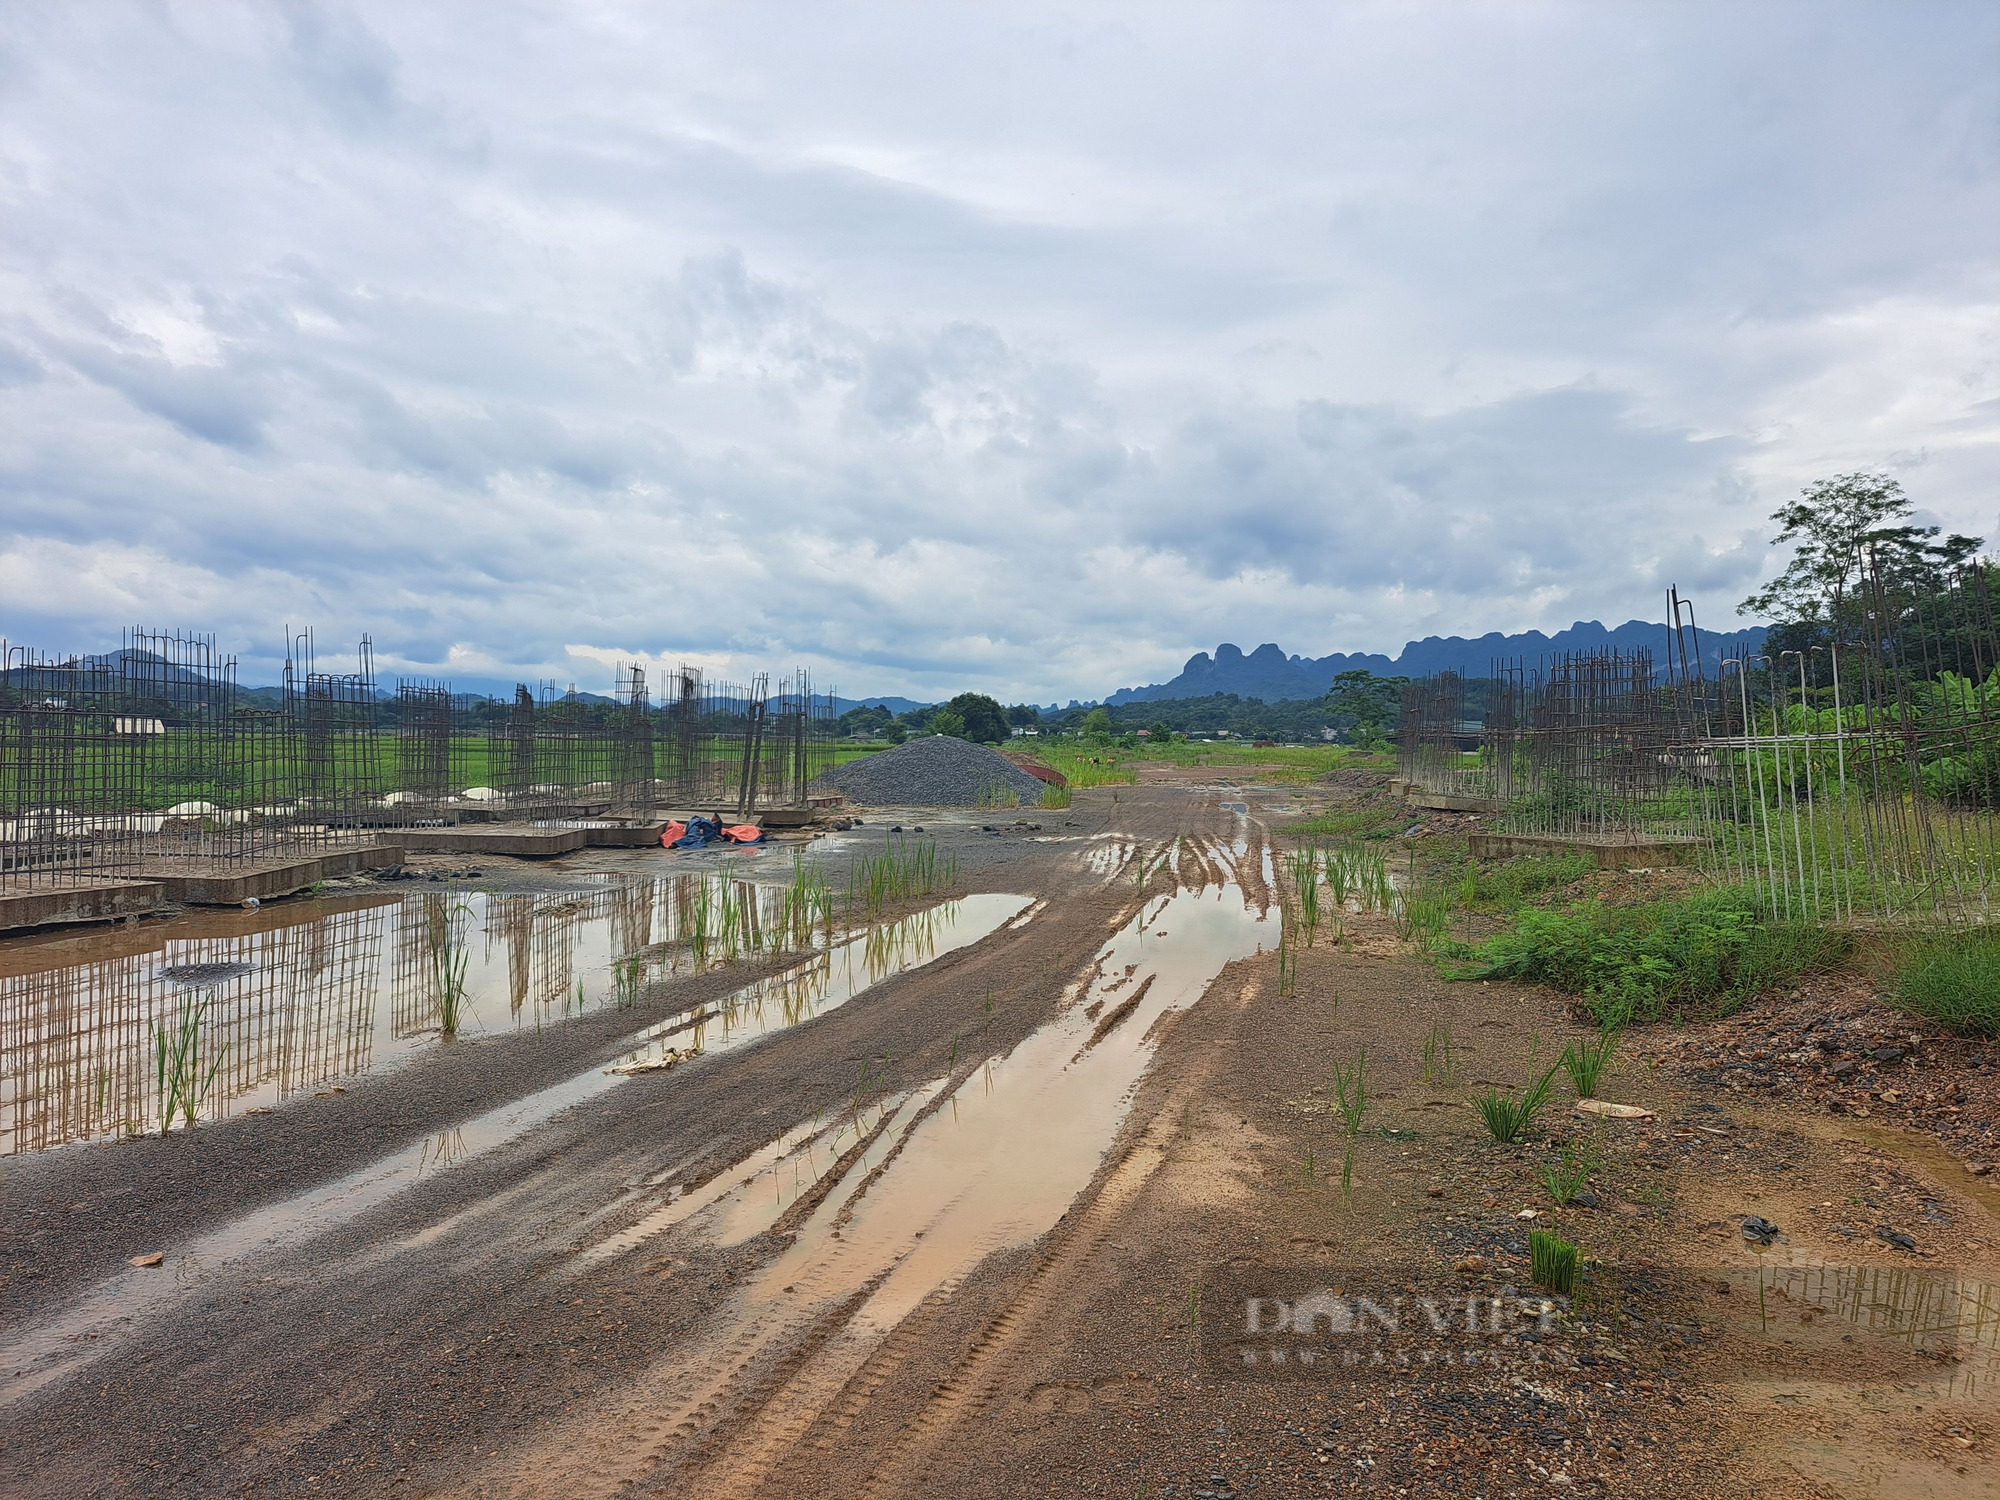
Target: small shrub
1714 948
1952 978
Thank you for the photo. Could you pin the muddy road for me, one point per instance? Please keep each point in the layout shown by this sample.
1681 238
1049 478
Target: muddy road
1003 1197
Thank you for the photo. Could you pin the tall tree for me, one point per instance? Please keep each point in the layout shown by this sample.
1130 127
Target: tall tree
1840 527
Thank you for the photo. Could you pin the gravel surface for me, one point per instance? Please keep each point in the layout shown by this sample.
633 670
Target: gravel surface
936 771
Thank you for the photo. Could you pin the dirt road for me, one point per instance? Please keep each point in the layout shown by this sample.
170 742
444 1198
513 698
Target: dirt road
1018 1217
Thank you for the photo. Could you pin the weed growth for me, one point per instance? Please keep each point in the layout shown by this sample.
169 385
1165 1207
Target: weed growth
1952 978
1553 1262
1506 1116
1350 1097
182 1082
1714 949
1566 1178
1439 1065
1586 1061
445 916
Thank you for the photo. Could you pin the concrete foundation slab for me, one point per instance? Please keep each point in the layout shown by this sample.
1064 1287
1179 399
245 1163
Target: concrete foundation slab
102 901
515 840
1418 796
194 882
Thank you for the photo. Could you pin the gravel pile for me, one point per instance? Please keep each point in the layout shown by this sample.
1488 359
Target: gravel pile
936 771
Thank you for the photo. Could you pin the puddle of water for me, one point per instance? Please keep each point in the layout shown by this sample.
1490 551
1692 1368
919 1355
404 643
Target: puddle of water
309 993
1943 1312
56 1346
993 1165
1005 1154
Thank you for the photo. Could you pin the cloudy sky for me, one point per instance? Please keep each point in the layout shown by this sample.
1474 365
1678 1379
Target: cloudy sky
933 346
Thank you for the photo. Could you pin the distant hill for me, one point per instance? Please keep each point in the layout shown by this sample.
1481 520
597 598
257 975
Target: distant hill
1269 674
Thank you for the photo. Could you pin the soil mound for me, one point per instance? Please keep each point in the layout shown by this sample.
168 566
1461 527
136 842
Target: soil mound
936 771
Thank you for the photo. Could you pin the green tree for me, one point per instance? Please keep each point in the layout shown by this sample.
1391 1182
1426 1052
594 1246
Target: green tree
1840 527
1023 715
1364 703
944 721
1159 733
1098 722
983 718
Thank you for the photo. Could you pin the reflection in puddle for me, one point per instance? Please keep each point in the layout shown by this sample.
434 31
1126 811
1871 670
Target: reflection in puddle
299 995
55 1346
991 1164
1014 1144
1945 1313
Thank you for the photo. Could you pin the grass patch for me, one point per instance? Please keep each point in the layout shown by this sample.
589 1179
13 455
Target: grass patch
1586 1061
1510 884
1566 1178
1506 1116
1953 978
1711 949
1554 1262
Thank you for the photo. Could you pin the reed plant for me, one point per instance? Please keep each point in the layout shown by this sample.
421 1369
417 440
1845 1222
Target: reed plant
449 955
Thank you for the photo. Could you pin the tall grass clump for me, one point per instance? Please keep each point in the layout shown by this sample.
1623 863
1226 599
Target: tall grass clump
806 909
1356 872
1424 918
1554 1262
1304 865
449 956
182 1082
1566 1178
1509 884
1952 978
1055 797
1586 1061
905 869
1507 1116
1710 949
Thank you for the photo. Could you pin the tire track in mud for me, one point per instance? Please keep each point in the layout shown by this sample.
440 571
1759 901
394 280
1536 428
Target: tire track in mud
837 1312
835 1387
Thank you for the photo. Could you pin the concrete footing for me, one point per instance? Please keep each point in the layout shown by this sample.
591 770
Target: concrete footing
514 840
100 901
204 883
1418 796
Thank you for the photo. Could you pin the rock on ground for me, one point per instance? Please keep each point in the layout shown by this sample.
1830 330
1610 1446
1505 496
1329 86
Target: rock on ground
936 771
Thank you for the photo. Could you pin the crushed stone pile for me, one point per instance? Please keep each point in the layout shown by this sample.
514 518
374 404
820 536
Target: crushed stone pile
935 771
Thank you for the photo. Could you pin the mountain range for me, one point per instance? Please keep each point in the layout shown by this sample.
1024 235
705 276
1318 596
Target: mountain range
1268 673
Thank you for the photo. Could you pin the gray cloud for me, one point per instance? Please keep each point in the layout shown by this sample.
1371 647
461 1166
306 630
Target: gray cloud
956 347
